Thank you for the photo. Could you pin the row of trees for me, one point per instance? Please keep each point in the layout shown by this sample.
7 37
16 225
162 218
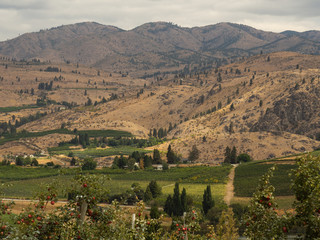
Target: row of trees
177 204
145 161
10 128
46 86
26 161
230 156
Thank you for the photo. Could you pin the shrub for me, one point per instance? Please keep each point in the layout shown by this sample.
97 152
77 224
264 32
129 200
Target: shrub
89 164
244 157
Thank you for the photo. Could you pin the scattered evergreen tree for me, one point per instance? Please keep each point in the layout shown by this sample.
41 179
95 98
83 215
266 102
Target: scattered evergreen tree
122 162
168 206
207 202
193 154
154 211
73 162
227 154
155 189
172 158
260 103
155 134
176 199
147 194
156 157
131 163
231 107
184 200
147 161
233 155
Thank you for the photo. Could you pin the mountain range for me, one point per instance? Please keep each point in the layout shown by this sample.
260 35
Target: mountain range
157 46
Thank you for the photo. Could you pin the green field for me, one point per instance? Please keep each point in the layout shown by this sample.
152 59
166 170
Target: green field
96 152
12 173
198 174
247 177
91 133
25 182
14 109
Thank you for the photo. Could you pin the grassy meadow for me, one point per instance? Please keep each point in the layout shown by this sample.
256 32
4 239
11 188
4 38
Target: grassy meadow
247 177
21 182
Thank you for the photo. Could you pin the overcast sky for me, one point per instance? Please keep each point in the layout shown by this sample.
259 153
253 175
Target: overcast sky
21 16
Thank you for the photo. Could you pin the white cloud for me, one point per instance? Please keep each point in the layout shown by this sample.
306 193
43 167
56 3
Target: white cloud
274 15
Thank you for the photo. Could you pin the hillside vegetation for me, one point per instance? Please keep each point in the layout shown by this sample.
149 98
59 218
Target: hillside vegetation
265 105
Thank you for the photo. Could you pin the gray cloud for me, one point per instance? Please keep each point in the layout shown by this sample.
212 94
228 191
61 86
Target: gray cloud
22 16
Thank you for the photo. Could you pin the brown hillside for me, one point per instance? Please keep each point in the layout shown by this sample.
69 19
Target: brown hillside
269 104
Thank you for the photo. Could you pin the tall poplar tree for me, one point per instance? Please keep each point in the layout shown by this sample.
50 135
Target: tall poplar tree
207 202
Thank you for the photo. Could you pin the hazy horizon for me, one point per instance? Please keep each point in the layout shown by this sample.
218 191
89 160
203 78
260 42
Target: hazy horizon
24 16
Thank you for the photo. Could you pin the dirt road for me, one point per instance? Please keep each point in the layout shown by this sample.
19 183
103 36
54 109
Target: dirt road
230 188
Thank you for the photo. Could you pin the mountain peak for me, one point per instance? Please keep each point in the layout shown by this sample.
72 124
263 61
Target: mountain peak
154 45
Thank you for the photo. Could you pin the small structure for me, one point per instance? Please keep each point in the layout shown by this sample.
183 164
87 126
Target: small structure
157 167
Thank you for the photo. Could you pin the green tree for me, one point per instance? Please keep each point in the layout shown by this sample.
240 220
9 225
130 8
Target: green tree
147 161
260 103
262 220
244 157
155 189
227 155
122 162
233 155
156 157
165 166
34 162
184 205
73 162
176 200
172 158
147 194
226 228
168 206
194 154
207 202
155 134
306 186
89 164
19 161
154 211
131 163
231 107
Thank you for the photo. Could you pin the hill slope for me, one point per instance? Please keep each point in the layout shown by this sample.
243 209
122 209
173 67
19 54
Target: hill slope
265 105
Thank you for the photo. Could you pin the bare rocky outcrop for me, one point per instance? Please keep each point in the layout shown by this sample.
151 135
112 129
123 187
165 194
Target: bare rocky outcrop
297 114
